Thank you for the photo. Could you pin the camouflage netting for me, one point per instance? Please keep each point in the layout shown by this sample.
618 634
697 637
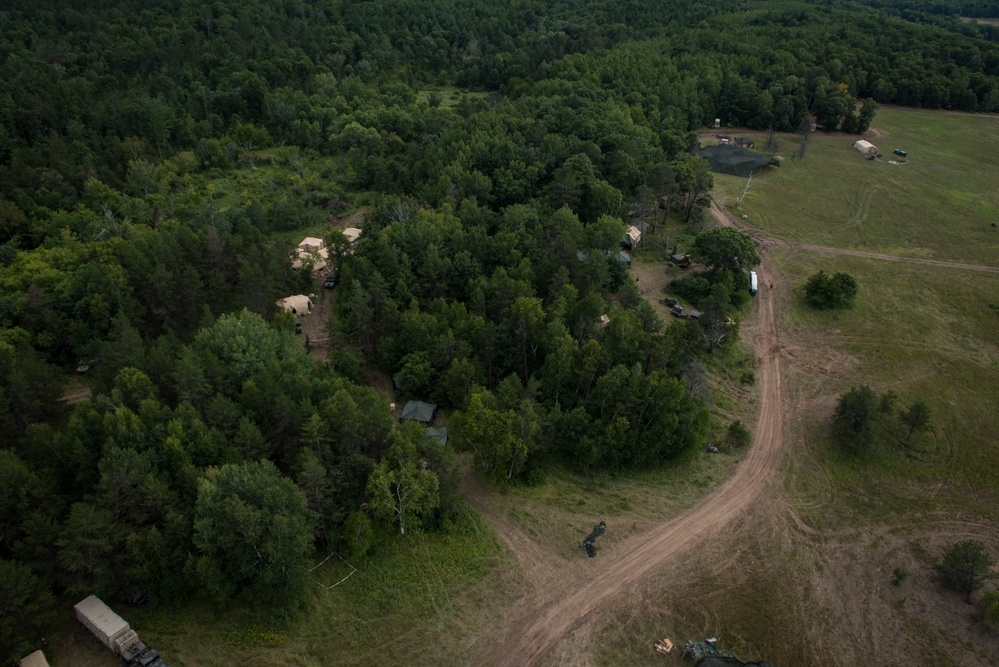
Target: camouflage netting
725 661
729 159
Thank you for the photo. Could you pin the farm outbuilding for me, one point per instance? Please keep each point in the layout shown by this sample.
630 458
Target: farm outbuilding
866 147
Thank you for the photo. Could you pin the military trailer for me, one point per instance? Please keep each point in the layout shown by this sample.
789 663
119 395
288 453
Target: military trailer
114 632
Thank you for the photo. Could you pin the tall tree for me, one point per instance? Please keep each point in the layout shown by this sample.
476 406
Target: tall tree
253 528
402 490
966 566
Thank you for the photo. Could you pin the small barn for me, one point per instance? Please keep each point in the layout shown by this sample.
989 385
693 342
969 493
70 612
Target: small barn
419 411
866 147
298 304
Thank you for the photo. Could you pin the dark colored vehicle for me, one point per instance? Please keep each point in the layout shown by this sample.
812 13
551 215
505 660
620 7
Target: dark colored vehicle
330 281
899 152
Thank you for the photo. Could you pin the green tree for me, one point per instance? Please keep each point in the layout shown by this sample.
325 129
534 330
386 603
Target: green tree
828 292
855 416
253 530
916 418
25 603
966 566
489 433
89 551
726 248
402 491
990 603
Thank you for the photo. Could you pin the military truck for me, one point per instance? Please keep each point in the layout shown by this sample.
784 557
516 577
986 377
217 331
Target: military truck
115 633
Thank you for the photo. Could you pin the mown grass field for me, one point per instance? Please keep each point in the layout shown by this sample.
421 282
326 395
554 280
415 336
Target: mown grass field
940 203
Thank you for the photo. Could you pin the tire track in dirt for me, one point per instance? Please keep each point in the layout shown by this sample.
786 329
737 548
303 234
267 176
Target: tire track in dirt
558 614
638 557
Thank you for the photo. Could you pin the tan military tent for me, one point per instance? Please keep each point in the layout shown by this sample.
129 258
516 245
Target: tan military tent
866 147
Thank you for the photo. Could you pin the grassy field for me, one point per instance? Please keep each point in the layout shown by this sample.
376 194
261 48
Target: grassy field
822 595
927 334
940 203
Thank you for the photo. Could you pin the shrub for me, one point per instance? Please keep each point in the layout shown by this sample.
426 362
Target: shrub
738 434
691 288
826 292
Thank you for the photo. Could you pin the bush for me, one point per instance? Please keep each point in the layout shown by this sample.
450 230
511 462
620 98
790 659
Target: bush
853 423
747 378
738 434
827 292
691 288
900 575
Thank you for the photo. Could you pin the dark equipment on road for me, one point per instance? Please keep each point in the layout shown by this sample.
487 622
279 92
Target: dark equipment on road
587 544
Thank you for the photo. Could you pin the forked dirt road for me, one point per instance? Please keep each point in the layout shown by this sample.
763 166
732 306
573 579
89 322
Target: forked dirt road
560 606
530 643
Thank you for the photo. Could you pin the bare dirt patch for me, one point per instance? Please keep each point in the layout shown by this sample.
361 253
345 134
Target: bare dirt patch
76 395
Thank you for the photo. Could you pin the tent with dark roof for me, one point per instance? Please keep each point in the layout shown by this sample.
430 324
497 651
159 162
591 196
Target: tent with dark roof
419 411
729 159
439 435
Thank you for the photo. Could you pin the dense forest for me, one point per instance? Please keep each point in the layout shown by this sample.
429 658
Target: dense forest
155 162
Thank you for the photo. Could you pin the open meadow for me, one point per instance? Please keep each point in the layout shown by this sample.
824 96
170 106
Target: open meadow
810 575
940 202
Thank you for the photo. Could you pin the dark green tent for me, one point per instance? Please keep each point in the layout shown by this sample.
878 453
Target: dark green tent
729 159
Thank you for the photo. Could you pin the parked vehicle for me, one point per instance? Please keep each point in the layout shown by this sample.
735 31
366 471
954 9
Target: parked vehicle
115 633
753 286
899 152
330 281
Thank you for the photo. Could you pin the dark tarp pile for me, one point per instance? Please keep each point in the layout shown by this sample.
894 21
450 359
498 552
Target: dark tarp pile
725 661
729 159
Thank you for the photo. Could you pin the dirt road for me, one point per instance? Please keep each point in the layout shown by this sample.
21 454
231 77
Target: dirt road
634 560
567 600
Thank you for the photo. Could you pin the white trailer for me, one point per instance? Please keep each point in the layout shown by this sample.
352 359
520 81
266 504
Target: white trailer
753 286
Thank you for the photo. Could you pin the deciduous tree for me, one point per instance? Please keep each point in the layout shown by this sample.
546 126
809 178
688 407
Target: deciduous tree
966 566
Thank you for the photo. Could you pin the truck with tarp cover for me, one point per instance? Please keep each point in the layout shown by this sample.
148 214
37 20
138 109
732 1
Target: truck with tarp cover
115 633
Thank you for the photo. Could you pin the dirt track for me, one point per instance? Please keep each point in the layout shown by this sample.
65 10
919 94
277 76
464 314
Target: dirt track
564 600
635 559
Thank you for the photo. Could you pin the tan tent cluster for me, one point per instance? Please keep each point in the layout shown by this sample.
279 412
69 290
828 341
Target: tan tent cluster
314 247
